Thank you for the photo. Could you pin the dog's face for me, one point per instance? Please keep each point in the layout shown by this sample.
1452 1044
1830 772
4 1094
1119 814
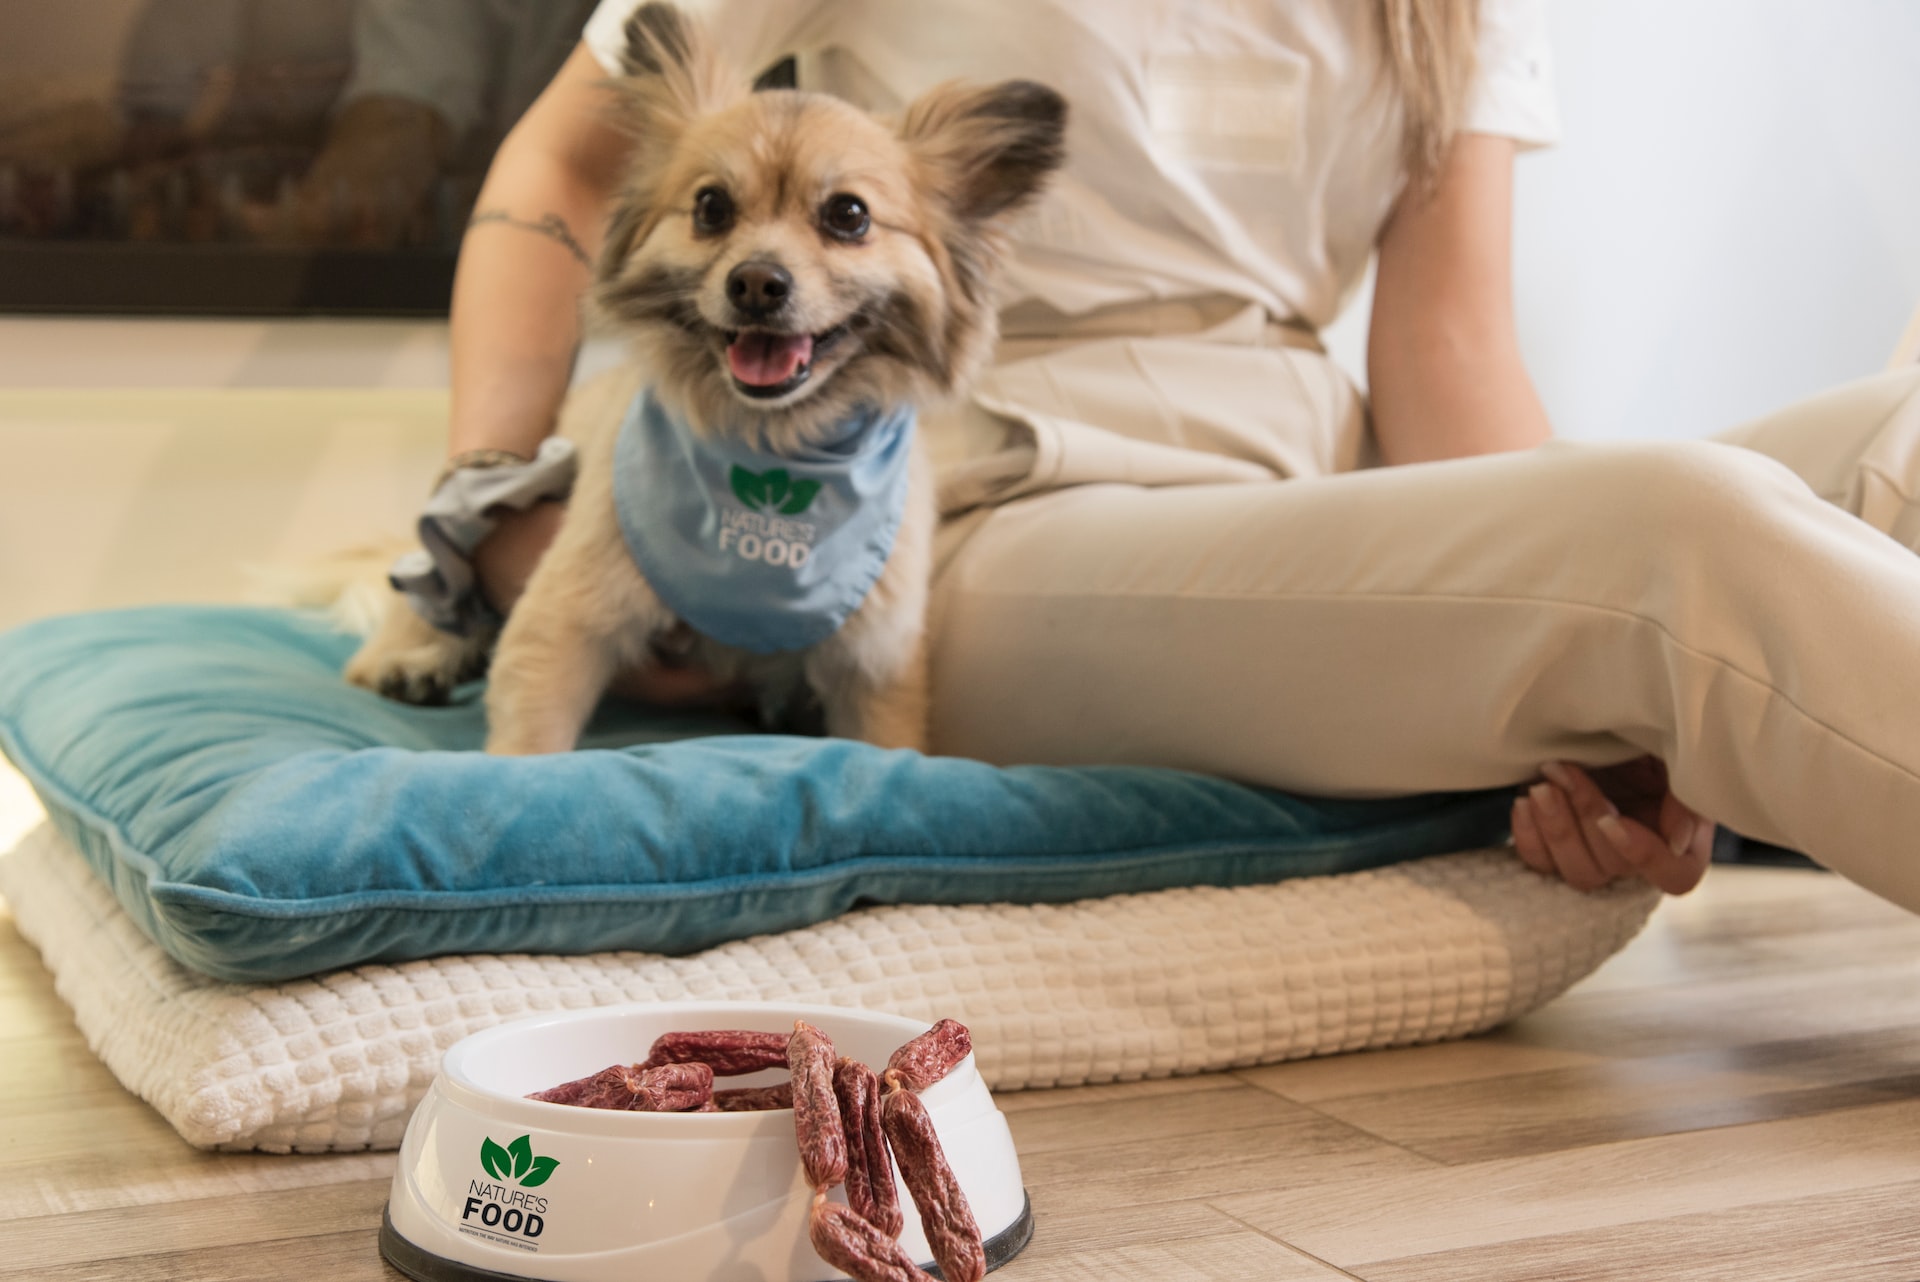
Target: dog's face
782 257
783 260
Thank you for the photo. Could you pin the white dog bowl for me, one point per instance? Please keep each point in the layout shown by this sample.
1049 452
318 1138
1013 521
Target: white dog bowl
492 1185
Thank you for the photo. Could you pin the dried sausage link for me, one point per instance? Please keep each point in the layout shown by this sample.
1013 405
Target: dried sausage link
870 1190
952 1233
668 1088
750 1099
816 1113
673 1088
932 1055
611 1087
857 1248
728 1051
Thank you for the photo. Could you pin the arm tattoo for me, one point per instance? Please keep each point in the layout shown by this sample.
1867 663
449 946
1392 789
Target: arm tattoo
552 226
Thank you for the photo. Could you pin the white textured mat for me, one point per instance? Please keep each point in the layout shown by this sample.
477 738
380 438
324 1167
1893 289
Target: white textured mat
1175 981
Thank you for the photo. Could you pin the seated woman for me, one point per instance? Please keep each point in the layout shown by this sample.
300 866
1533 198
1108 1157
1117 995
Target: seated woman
1177 535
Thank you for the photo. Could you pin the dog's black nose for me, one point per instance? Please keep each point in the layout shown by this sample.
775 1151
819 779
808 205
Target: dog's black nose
758 287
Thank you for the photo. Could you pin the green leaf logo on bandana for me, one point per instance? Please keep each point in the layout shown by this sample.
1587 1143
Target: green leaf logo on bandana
773 491
761 551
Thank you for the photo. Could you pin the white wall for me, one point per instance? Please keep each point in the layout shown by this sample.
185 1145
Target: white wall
1733 221
1732 218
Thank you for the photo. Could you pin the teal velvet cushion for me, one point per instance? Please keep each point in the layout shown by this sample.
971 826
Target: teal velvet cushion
261 820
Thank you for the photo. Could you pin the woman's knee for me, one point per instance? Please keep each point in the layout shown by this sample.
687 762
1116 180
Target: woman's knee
1676 496
1849 441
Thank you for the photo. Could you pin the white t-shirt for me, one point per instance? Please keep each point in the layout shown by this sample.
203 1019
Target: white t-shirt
1241 147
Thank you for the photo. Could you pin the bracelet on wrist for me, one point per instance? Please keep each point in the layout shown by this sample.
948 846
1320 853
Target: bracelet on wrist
478 460
475 490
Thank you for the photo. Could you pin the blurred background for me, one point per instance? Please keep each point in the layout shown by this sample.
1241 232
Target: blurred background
129 126
261 199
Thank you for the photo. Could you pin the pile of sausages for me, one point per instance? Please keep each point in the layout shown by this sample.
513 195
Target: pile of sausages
849 1130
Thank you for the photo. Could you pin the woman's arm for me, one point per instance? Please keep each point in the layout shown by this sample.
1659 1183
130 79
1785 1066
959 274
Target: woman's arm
1443 359
524 264
526 259
1447 381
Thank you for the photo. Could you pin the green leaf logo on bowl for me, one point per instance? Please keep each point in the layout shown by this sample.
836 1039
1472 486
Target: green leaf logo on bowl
516 1162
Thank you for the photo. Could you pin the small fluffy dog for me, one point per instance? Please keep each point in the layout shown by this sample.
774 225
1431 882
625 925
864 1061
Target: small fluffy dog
797 277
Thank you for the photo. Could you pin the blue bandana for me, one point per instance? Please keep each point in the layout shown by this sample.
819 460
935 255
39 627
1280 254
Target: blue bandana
766 552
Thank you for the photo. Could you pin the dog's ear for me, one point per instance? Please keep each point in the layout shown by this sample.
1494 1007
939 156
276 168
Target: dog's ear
671 76
987 150
672 72
978 155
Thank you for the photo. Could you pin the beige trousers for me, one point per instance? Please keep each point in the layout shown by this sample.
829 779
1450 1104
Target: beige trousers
1180 558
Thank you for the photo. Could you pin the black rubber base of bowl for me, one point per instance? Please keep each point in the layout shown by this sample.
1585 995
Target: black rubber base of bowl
424 1266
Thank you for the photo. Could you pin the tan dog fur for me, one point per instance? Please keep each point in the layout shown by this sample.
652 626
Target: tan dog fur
904 314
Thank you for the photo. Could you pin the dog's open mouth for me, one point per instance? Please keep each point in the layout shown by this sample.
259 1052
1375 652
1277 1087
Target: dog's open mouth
766 365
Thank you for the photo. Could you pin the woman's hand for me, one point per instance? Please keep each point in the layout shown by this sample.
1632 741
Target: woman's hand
1588 827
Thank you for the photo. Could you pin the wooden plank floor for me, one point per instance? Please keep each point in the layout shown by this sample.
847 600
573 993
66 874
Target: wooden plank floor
1737 1096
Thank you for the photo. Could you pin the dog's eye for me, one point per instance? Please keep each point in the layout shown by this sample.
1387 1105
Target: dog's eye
845 217
712 209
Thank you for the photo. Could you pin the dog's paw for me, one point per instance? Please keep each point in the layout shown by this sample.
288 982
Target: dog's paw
419 674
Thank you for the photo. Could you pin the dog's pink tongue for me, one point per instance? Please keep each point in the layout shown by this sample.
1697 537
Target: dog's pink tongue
767 360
